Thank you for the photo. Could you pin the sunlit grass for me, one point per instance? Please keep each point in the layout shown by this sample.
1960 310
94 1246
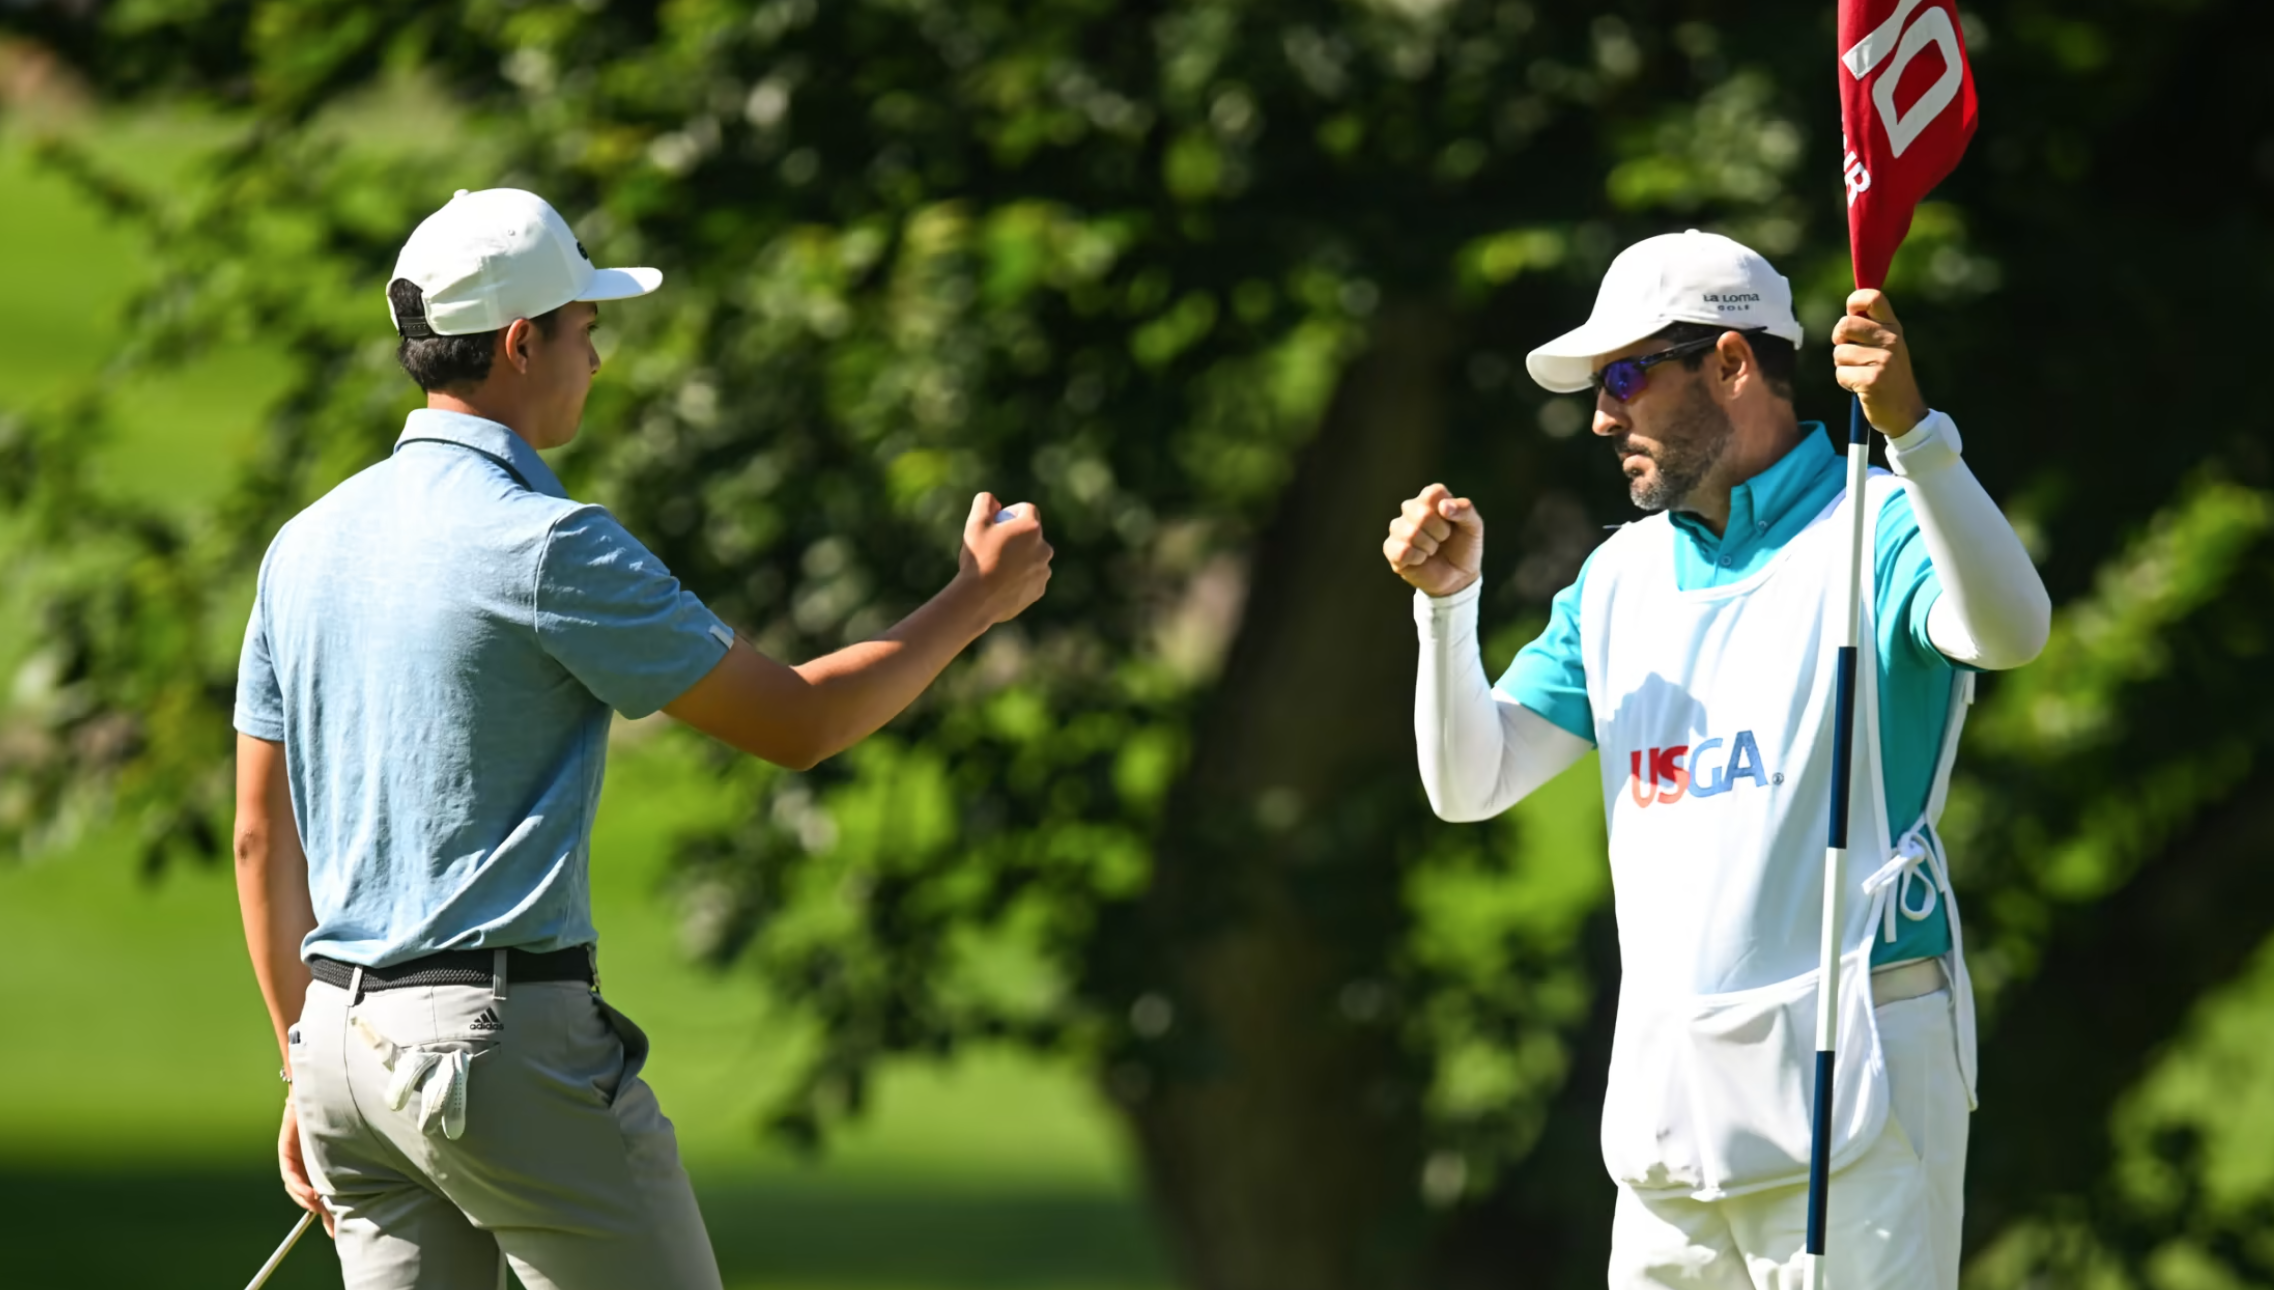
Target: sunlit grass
140 1058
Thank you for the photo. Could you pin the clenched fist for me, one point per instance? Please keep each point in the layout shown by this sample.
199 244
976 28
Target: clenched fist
1005 553
1437 541
1871 359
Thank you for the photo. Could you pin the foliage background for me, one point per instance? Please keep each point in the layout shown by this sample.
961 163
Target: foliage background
1217 284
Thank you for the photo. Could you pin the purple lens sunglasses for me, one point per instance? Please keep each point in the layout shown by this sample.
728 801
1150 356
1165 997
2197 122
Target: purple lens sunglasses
1626 377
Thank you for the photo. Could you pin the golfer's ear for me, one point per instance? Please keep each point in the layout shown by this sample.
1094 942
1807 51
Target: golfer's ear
514 341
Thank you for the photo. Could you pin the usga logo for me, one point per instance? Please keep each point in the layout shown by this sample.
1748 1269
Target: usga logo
1705 776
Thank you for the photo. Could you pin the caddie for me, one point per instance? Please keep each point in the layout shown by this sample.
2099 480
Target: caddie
435 652
1693 653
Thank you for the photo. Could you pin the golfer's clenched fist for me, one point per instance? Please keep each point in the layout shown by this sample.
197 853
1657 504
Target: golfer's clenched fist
1007 557
1437 541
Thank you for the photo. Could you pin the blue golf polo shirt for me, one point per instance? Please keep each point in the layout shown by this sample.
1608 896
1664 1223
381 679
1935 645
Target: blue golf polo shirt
438 644
1765 512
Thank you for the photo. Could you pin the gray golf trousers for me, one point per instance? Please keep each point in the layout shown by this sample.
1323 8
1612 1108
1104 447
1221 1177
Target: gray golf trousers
456 1129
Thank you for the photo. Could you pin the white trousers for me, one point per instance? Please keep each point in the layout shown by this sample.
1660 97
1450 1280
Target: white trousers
1893 1221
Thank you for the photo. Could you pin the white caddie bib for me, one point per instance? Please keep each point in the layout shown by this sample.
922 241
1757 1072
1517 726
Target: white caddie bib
1714 728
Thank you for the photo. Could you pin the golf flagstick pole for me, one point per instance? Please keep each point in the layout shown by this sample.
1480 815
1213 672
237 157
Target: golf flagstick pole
1892 155
1836 852
268 1269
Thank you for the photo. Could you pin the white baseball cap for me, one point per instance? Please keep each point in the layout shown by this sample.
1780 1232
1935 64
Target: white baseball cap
1676 277
490 257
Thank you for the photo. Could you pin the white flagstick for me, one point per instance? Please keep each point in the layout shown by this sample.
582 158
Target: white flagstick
268 1269
1836 853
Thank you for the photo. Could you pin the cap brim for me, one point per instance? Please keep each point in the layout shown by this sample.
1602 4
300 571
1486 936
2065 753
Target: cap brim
1566 365
621 284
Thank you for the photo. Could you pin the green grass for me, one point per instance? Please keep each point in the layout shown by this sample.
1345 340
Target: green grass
142 1093
212 1226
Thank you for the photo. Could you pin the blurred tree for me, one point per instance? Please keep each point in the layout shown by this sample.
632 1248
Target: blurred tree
1218 285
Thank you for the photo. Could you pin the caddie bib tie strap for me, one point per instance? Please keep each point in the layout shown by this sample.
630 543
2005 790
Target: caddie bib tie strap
1915 867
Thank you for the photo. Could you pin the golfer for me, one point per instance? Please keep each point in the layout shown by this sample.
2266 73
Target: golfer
435 651
1694 654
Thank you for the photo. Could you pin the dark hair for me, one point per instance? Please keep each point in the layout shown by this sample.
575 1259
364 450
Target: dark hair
439 362
1776 355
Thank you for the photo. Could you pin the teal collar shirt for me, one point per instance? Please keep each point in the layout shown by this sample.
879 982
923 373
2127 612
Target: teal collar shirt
1766 512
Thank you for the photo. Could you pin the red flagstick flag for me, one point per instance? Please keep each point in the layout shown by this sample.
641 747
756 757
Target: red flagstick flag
1907 109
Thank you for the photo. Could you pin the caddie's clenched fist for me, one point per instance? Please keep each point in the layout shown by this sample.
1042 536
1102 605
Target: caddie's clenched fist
1871 359
1437 541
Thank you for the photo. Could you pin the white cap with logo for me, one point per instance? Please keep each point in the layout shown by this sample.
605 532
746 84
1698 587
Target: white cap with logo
490 257
1689 277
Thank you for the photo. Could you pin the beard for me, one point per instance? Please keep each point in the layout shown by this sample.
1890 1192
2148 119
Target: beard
1687 451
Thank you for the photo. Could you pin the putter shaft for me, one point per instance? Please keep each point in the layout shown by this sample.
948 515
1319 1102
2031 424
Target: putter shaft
268 1269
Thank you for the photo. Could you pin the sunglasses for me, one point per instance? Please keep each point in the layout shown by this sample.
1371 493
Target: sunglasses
1626 377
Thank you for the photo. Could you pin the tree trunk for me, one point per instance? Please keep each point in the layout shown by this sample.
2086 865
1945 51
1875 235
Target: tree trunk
1547 1224
1279 1148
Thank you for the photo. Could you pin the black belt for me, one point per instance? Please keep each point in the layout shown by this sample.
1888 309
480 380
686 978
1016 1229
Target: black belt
462 967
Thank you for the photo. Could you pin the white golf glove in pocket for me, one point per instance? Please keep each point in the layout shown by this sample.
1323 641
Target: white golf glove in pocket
441 1073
